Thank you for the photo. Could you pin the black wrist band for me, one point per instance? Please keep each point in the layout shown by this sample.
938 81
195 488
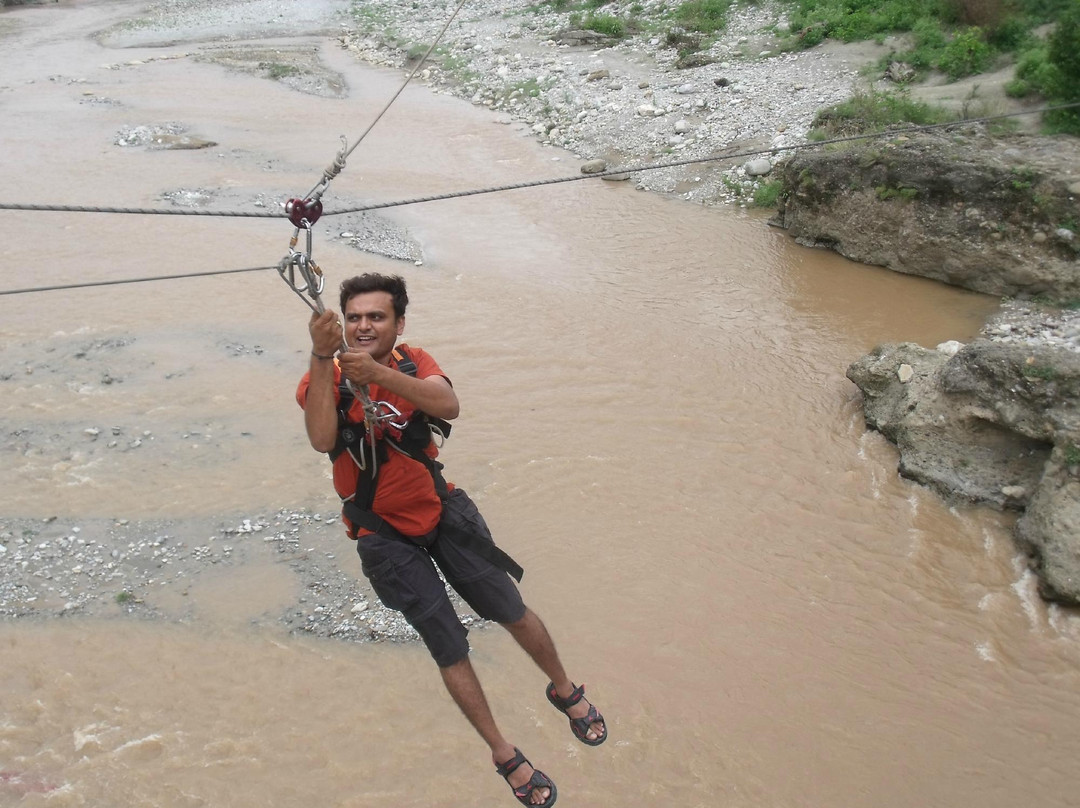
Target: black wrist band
320 356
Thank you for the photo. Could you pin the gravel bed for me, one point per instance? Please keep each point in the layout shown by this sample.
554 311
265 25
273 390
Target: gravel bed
62 568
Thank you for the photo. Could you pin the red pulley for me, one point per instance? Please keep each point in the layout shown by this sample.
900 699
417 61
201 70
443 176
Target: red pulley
300 211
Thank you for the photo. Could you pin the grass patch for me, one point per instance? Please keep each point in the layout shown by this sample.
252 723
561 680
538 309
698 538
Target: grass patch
528 87
875 111
124 597
703 16
1044 372
606 24
1071 455
278 70
766 194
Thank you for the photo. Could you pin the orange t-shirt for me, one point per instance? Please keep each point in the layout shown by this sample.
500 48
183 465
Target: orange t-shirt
405 494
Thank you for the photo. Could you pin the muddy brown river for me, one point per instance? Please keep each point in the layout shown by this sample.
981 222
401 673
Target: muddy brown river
655 421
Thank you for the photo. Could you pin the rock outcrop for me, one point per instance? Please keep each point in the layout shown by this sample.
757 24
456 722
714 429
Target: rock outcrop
999 216
996 424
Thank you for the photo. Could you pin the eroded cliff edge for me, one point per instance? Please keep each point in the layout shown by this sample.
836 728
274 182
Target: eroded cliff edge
992 421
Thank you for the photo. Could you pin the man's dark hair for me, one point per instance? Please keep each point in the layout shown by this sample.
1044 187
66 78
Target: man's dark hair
374 282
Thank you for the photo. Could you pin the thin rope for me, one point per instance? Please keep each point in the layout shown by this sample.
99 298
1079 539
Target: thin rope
131 280
339 161
537 183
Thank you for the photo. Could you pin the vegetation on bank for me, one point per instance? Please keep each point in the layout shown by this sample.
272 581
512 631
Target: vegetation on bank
874 112
956 37
965 37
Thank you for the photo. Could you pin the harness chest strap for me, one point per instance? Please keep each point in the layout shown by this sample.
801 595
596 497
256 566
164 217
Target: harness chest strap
413 442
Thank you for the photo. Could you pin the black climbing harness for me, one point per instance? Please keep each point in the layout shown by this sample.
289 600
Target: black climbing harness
370 450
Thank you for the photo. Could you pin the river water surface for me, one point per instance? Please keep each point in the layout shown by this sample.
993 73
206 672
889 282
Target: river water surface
655 421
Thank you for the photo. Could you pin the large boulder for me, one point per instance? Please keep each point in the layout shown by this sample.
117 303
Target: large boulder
997 424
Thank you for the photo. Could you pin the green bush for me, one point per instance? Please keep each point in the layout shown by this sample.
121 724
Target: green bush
1052 69
1010 34
851 20
1017 88
705 16
1034 67
965 55
607 24
766 194
1064 57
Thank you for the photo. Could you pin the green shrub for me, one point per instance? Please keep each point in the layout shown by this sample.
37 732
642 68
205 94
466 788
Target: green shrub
606 24
965 55
1009 35
1064 57
1033 67
766 194
1017 88
851 20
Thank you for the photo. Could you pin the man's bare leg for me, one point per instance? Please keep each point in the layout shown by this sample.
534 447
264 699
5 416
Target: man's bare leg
464 686
532 635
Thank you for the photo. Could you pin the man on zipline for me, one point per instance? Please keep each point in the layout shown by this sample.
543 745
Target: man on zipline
406 519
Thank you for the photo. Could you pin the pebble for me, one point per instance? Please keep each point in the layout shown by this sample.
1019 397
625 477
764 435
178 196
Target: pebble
1023 323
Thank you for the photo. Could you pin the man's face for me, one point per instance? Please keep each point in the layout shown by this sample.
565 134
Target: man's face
371 326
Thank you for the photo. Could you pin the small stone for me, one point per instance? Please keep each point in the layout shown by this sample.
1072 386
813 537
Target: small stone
596 75
950 348
904 373
594 167
1014 491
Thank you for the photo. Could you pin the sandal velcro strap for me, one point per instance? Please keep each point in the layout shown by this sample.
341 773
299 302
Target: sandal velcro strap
523 793
509 766
570 701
